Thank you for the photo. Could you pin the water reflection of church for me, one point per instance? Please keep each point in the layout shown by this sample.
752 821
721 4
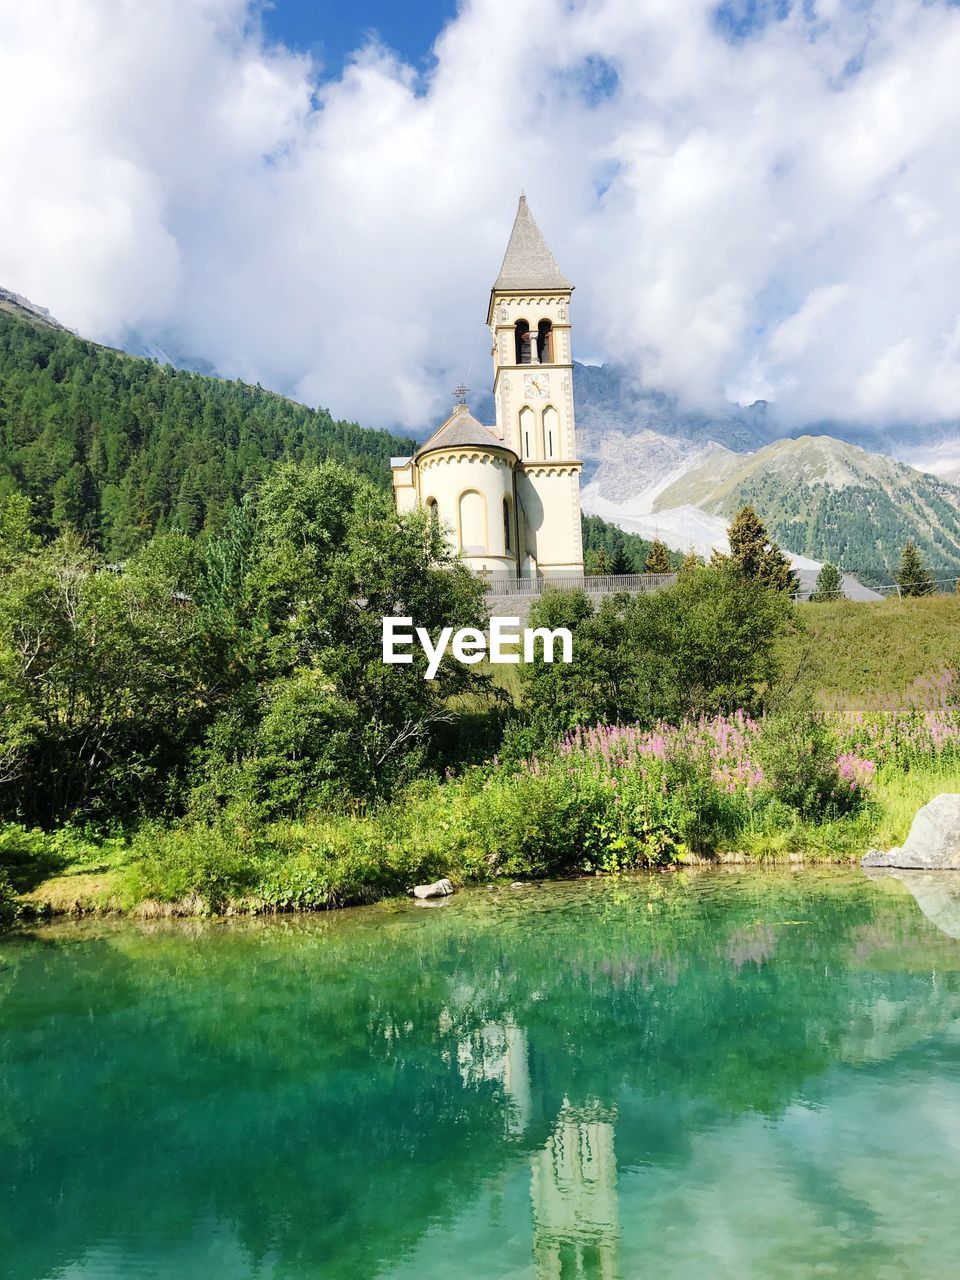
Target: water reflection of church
573 1176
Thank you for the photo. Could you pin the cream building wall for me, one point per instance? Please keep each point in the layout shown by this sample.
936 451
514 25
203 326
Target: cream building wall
473 490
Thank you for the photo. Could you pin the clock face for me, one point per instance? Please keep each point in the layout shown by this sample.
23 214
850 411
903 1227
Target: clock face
536 384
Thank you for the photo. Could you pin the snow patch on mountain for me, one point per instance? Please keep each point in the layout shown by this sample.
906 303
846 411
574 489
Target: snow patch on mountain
684 528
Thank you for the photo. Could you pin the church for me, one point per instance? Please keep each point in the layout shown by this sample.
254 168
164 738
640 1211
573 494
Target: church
508 495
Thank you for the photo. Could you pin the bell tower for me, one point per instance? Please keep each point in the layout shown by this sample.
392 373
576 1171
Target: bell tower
529 317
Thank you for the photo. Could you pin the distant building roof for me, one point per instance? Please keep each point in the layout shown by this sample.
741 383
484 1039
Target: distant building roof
460 430
528 262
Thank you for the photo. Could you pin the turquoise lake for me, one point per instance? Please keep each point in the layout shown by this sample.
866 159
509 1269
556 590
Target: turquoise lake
694 1075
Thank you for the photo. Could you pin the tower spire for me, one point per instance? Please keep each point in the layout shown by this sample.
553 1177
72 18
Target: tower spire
528 262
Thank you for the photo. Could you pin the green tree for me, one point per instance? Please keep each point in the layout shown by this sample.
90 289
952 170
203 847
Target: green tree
704 646
619 561
171 561
17 532
754 553
101 684
598 534
607 680
716 632
658 561
913 577
119 448
829 584
297 592
596 562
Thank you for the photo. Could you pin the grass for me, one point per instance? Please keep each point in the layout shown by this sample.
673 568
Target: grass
66 871
899 796
862 654
883 823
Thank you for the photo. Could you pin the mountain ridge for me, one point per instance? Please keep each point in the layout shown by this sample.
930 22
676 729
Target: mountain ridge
829 499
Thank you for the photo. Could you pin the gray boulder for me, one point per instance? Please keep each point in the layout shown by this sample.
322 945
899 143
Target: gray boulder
934 840
439 889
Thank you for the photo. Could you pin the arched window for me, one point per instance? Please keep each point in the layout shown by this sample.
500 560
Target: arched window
433 510
545 342
522 340
551 431
473 522
526 431
506 525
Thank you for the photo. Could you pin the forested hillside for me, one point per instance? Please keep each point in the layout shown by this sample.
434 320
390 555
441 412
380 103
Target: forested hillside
622 552
120 448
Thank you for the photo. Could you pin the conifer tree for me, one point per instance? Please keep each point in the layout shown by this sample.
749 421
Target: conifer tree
619 563
755 554
691 561
658 561
829 584
913 577
597 562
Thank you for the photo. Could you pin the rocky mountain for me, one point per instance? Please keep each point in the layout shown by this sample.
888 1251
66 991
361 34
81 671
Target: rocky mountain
851 493
610 401
829 500
17 305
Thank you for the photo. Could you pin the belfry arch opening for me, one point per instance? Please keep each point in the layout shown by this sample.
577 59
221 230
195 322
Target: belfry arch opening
521 337
545 342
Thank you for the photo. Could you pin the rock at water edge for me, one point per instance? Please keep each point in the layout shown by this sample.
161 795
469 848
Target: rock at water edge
439 889
934 840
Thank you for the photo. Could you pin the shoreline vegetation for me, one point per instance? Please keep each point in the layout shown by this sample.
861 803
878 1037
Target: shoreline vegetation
329 864
609 800
207 726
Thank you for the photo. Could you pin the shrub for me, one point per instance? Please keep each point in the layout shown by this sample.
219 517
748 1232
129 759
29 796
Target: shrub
539 823
799 752
704 647
217 864
9 905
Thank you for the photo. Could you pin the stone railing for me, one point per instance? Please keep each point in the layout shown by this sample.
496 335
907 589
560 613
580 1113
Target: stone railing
606 584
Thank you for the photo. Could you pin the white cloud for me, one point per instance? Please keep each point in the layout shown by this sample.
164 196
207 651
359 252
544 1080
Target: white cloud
780 213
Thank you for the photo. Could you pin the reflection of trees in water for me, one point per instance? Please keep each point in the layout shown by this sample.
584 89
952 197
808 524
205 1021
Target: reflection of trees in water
332 1087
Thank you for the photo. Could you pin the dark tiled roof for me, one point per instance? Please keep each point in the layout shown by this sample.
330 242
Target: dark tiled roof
461 430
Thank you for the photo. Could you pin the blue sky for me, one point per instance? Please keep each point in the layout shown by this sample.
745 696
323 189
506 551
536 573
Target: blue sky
332 30
756 199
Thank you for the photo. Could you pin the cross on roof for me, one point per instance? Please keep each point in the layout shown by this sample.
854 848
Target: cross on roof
461 393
